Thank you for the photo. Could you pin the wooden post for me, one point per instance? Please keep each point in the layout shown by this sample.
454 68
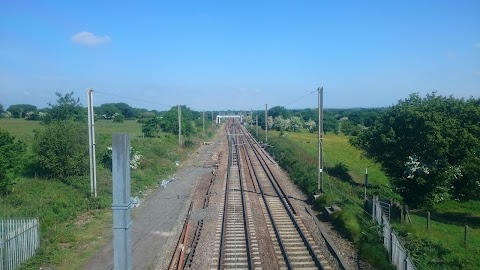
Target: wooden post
465 235
428 221
402 216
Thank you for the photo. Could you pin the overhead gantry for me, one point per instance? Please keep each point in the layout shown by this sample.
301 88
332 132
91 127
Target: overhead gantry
220 117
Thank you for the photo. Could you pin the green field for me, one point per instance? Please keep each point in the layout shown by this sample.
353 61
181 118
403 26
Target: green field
74 225
338 150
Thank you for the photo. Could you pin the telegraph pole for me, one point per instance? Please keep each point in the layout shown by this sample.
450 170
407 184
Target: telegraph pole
256 129
251 118
266 125
203 121
179 125
91 140
320 140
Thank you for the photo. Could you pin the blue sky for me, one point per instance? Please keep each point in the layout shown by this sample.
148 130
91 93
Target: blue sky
239 55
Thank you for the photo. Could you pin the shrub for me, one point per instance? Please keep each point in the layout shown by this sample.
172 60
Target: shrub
11 161
62 149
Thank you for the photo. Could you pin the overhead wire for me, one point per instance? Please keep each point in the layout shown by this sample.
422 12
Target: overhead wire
299 98
136 99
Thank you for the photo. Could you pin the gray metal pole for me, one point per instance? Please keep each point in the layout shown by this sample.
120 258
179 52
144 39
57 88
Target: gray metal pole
320 140
203 121
121 206
256 130
179 125
251 118
366 184
266 125
91 141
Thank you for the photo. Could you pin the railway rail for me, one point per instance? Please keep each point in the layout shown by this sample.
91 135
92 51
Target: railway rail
250 183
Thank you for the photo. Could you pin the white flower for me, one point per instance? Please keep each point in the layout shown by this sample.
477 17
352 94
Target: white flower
413 166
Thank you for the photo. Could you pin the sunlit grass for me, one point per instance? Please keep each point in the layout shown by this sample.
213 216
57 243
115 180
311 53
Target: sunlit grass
20 128
337 149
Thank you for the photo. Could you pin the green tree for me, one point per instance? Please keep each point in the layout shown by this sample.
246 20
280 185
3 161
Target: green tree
152 127
169 122
107 110
128 111
21 110
66 108
310 125
118 118
296 123
11 161
278 111
349 128
428 147
61 149
281 124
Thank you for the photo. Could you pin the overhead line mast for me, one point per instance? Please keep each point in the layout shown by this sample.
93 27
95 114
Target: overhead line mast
320 141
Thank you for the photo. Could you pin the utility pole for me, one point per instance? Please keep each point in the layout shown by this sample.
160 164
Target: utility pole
266 125
320 140
251 118
91 140
203 121
179 125
256 129
212 118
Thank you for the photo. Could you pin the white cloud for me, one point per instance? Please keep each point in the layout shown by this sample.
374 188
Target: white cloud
89 39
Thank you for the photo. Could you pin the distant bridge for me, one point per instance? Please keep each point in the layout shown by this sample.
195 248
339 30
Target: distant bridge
220 117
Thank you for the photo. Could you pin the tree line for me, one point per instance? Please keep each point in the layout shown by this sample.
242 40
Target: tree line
346 121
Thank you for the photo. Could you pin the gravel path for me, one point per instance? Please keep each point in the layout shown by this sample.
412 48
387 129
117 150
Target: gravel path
156 223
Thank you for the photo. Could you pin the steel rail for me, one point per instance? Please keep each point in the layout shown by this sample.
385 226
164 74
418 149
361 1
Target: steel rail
225 207
174 261
270 215
284 199
244 207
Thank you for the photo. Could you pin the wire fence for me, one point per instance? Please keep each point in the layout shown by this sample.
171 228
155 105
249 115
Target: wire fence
454 233
19 239
397 252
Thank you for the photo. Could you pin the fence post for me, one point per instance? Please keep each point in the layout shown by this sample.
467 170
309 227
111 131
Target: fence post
122 246
391 245
4 244
406 260
402 217
373 208
465 236
428 221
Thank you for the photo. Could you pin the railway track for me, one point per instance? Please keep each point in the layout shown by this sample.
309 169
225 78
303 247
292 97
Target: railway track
253 200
